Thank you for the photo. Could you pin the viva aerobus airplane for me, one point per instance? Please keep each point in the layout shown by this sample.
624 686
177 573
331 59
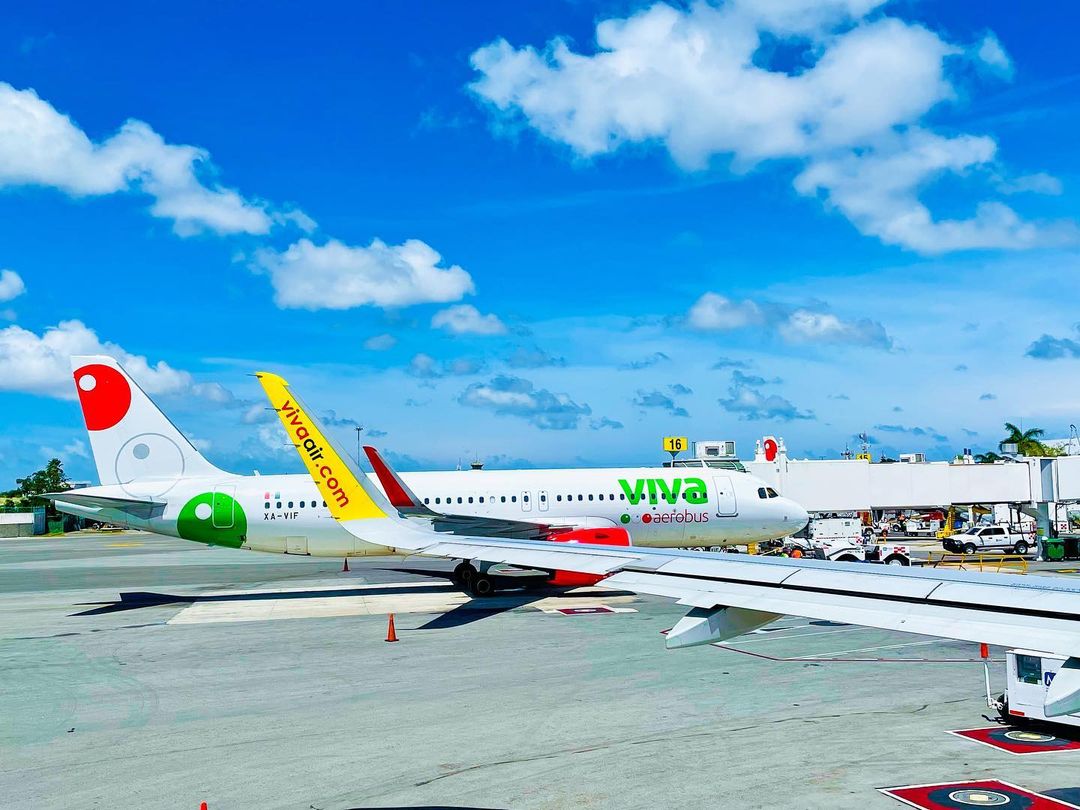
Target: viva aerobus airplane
152 478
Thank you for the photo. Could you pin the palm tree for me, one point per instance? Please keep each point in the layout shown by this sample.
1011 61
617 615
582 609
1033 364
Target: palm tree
988 457
1027 441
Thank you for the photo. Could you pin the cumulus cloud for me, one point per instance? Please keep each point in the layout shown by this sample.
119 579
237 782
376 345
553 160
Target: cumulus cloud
339 276
988 397
658 399
1049 347
651 360
746 400
40 146
380 343
715 312
726 363
533 358
41 364
605 422
698 82
465 319
913 431
11 285
513 396
427 367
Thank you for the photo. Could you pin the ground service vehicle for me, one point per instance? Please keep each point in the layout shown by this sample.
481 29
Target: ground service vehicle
1028 675
987 538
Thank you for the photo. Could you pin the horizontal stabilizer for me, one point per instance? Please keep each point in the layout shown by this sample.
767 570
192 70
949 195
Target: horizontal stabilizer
1063 694
142 509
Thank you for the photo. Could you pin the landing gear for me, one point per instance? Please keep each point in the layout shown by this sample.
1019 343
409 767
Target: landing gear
482 586
464 574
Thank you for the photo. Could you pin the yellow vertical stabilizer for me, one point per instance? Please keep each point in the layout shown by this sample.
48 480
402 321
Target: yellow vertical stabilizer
339 486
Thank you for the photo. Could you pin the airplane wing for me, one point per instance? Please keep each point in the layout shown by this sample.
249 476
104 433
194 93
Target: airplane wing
409 503
730 595
142 509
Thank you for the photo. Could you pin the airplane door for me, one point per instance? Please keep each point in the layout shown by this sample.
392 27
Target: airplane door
726 506
222 514
526 502
542 502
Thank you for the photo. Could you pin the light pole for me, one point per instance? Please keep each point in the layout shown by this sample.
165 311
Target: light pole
358 429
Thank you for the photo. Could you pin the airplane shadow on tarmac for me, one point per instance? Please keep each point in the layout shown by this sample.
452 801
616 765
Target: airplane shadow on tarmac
471 611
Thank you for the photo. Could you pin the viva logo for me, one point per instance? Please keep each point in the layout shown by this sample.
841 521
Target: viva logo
653 490
213 518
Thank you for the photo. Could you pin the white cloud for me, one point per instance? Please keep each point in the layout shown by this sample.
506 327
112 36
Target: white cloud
41 364
39 146
718 313
11 285
514 396
993 54
1036 183
465 319
340 276
695 82
877 189
380 343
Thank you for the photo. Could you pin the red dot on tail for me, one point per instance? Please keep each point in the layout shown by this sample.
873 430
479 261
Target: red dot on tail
104 394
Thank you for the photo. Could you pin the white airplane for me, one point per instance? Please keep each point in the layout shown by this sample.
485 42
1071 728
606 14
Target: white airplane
729 595
152 478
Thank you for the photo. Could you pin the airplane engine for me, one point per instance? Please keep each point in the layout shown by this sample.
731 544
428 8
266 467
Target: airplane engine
596 537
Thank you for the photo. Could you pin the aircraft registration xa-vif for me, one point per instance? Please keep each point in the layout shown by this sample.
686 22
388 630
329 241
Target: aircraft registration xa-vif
152 478
729 595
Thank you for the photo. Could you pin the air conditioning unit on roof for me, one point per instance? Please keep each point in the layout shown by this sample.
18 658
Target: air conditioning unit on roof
715 449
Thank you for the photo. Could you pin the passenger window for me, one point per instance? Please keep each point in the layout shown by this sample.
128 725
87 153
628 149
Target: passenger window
502 499
590 497
428 500
581 497
1029 669
513 499
543 499
558 498
290 504
481 499
470 499
278 505
525 498
266 505
459 499
324 504
302 504
622 496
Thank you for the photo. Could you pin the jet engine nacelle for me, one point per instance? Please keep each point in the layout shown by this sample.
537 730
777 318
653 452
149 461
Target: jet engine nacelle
595 537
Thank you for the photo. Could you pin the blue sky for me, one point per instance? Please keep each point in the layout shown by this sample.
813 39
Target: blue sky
545 235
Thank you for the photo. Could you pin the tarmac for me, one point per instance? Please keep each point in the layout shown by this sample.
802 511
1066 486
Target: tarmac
258 681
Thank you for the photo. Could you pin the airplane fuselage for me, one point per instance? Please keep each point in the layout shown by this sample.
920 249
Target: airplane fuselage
659 507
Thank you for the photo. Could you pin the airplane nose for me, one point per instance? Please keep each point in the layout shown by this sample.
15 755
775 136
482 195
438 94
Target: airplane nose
795 515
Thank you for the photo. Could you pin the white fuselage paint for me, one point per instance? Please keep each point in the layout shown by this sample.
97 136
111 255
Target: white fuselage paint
284 513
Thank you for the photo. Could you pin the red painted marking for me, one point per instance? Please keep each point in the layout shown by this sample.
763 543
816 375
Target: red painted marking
394 491
984 650
770 449
932 797
108 400
996 737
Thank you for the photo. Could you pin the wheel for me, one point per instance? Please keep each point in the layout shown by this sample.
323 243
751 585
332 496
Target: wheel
847 558
482 586
463 575
969 548
1021 547
896 559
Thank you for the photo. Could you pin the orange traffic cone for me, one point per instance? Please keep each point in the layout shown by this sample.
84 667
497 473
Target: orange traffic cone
391 634
202 806
345 567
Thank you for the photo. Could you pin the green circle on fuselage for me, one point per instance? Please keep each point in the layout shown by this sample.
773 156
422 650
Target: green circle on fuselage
213 518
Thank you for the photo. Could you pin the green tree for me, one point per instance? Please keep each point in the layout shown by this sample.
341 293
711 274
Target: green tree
989 457
50 479
1027 441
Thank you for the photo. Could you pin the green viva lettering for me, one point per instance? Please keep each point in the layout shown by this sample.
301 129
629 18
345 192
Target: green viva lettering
692 489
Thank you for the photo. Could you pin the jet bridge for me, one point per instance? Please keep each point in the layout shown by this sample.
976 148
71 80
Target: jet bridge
843 485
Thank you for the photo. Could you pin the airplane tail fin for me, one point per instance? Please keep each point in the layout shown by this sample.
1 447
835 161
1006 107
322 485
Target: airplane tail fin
131 439
403 499
349 494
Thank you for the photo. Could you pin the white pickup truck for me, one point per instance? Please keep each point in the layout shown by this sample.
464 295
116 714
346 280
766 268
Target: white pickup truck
987 538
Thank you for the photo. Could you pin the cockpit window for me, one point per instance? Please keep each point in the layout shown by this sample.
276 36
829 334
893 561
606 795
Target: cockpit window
772 492
761 493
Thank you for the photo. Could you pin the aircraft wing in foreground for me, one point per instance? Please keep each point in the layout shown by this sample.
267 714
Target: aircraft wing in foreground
729 595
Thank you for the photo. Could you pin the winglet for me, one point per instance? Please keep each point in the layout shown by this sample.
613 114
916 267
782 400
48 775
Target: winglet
349 496
403 498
